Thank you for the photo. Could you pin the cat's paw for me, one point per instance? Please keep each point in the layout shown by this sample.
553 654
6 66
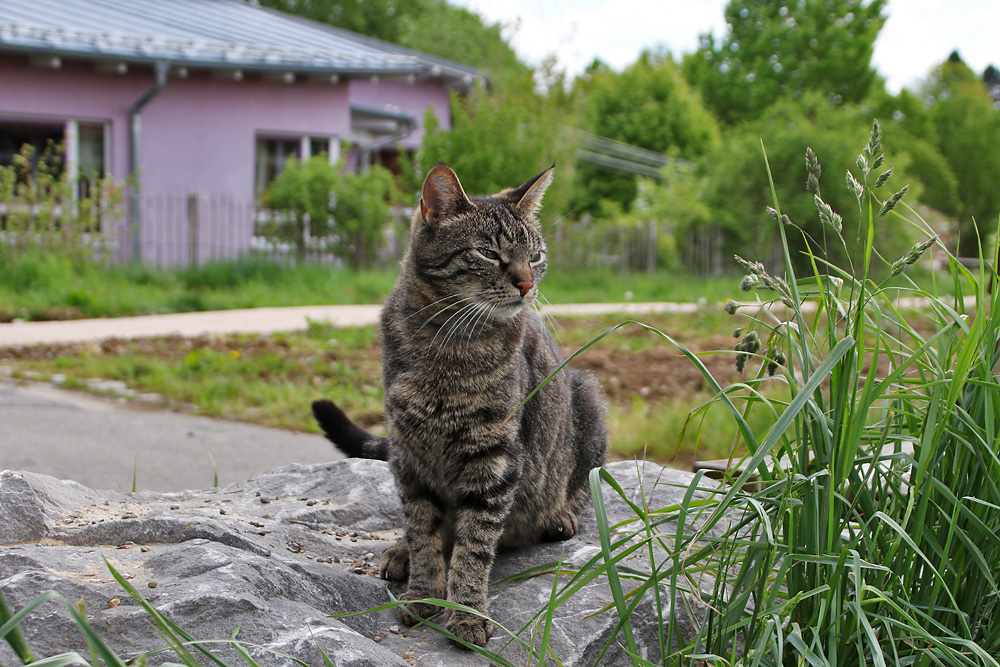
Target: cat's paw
394 565
565 527
413 612
470 628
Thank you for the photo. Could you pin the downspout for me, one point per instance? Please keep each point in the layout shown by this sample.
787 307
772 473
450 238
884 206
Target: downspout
408 125
160 67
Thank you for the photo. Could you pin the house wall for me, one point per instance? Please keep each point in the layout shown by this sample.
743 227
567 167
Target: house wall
198 134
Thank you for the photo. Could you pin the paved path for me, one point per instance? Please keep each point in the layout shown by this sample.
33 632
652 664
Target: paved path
256 320
102 443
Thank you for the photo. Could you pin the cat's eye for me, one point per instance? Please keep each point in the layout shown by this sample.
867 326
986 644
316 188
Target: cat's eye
537 257
488 254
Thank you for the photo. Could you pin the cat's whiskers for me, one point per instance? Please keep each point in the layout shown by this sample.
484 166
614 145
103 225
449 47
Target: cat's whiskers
463 324
547 317
441 310
487 313
464 312
434 303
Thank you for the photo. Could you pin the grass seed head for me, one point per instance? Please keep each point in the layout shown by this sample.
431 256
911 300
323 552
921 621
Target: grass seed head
814 169
913 255
883 177
891 202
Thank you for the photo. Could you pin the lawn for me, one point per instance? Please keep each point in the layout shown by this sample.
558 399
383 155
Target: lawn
51 287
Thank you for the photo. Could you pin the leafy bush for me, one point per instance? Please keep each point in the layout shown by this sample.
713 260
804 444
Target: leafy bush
320 208
42 209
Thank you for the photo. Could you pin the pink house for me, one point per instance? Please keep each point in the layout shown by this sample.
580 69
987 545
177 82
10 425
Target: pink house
204 100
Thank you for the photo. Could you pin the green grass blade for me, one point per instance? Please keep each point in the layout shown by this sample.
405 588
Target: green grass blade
605 537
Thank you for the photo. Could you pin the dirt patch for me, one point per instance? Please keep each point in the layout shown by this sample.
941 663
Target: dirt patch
655 374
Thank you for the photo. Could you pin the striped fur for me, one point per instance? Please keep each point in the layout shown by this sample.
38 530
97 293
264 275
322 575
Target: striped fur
461 349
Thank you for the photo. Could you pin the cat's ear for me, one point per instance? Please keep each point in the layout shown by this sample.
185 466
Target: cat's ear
528 197
442 196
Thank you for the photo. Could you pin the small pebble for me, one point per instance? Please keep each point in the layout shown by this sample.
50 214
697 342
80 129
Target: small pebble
114 602
376 639
152 584
264 500
175 507
222 511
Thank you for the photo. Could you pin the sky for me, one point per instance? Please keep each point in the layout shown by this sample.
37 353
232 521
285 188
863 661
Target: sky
917 35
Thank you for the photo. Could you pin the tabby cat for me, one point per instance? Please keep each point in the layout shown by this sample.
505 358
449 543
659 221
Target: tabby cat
461 349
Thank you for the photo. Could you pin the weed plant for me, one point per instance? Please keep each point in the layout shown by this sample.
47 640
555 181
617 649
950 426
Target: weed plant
862 527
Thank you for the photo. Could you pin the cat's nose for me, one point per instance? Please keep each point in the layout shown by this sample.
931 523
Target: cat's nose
525 286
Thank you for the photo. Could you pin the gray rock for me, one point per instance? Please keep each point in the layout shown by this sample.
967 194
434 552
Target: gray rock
277 556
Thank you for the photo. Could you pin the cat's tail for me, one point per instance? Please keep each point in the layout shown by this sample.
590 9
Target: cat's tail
348 436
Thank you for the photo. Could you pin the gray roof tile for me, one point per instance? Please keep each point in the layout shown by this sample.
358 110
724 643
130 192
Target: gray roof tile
201 33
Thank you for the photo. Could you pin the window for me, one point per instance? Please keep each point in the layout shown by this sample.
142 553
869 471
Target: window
271 153
90 157
14 135
79 146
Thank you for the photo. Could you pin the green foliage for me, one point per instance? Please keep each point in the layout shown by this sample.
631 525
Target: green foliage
497 142
968 126
363 202
948 128
438 28
777 49
648 105
42 209
736 192
323 209
37 286
377 18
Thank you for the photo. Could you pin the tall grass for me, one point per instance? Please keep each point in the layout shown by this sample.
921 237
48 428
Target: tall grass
871 531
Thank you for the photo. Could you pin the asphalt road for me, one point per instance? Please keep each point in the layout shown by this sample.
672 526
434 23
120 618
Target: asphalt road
103 444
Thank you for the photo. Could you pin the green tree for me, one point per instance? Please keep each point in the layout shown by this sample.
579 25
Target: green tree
460 35
498 141
738 192
968 134
783 48
376 18
648 105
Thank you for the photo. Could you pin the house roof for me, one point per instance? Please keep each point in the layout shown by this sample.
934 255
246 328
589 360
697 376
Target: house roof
214 34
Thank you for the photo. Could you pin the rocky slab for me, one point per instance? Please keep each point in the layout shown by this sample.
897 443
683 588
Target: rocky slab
276 556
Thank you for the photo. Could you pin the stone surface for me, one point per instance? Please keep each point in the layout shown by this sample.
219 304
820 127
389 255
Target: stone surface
276 556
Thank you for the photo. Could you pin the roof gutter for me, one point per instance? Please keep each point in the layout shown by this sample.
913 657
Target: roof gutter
407 125
160 67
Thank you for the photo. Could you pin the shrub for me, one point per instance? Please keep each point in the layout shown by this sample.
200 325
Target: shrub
42 209
322 209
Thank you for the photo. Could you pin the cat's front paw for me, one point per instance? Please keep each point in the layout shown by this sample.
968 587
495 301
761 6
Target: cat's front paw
394 565
565 527
412 613
470 628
